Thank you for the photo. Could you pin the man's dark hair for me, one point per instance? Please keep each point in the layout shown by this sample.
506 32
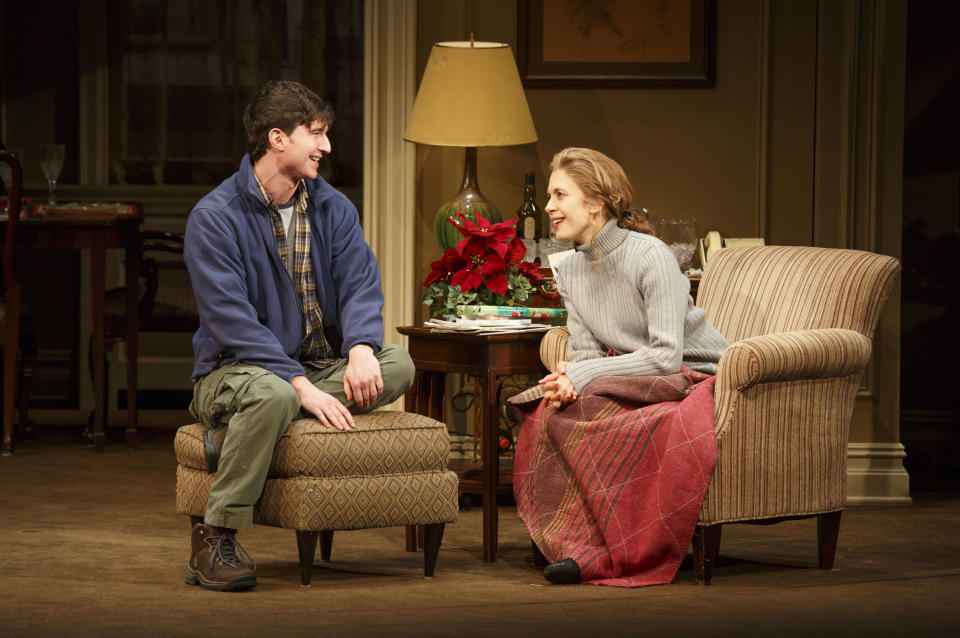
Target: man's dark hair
284 105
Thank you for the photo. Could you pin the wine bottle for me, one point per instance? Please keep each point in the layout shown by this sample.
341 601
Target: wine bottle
529 215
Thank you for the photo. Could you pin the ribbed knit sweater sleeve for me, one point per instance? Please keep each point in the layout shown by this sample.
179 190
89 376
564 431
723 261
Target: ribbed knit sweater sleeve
624 292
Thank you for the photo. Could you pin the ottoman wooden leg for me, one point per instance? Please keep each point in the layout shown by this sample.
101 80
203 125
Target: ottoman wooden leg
326 543
307 547
195 519
432 535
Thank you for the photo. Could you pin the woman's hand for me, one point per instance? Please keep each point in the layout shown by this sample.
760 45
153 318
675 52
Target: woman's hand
558 388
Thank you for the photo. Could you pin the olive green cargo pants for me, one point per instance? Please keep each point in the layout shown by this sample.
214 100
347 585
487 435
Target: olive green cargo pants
258 405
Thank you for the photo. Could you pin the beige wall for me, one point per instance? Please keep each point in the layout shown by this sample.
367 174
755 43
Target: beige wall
689 152
799 142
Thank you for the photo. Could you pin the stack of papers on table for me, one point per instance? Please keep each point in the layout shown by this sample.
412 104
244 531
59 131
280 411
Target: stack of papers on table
498 319
486 326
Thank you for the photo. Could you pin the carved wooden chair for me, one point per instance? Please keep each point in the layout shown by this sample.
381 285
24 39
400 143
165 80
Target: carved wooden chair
19 346
162 308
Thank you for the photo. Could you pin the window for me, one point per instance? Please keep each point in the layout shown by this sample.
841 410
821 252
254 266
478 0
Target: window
181 72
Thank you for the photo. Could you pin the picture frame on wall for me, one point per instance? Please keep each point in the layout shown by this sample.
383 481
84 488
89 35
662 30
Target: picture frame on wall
617 43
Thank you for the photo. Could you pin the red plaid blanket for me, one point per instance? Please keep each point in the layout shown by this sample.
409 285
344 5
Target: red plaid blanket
615 480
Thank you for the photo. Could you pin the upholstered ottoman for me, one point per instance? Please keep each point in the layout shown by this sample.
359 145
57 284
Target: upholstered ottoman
390 470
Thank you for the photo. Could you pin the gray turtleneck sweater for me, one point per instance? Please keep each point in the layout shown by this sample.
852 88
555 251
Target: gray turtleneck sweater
624 291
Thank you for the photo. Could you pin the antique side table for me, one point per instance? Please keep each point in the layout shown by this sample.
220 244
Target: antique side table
97 227
489 358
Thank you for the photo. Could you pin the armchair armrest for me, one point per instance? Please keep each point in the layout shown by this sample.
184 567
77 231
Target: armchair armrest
553 347
803 354
786 356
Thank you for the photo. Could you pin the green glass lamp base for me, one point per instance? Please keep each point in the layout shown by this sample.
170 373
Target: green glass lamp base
446 230
468 201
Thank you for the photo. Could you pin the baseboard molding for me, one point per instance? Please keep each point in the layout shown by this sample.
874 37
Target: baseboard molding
876 476
878 500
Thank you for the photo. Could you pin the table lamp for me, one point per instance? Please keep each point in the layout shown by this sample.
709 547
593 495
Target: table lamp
470 96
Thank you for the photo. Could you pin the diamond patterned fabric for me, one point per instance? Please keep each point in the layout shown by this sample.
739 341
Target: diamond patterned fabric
383 442
390 470
317 504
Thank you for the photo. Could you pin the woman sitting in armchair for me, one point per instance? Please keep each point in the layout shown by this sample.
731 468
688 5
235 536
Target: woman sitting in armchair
630 314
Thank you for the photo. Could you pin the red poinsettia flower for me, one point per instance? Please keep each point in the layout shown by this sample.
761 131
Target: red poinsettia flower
497 282
516 250
530 270
503 231
483 235
444 268
482 269
482 262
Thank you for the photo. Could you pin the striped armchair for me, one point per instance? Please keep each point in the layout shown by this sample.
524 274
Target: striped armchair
800 321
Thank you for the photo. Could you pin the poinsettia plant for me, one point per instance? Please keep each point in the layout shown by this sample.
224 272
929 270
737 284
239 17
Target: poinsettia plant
485 268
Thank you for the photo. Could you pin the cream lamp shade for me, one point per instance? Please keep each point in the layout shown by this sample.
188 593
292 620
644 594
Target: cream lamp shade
470 96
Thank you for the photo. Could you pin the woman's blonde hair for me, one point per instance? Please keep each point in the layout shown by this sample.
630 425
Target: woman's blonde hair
602 181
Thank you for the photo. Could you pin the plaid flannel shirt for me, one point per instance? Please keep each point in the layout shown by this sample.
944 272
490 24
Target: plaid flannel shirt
314 348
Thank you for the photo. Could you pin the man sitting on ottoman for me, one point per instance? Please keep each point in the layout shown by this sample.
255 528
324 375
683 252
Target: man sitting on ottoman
290 304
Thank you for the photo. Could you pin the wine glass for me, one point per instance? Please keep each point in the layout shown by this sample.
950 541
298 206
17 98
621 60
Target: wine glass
51 161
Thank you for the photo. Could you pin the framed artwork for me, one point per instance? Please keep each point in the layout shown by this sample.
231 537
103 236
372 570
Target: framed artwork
616 43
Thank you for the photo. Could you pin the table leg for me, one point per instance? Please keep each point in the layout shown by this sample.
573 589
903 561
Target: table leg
426 395
437 383
411 402
411 399
10 350
133 317
97 275
428 401
490 474
417 401
421 394
410 538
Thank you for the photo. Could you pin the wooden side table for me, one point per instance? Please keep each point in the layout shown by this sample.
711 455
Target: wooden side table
489 358
98 228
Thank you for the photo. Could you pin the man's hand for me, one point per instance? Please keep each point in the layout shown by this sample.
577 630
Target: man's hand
325 407
558 388
362 381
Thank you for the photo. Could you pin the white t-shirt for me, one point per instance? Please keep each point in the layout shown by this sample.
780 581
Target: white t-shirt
286 216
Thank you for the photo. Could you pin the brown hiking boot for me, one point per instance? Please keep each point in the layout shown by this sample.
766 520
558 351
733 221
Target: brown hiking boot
212 446
218 562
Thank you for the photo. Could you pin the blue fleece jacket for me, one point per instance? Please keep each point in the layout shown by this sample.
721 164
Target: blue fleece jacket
248 304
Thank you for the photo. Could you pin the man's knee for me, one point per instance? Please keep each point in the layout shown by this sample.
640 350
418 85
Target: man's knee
395 363
270 393
396 369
